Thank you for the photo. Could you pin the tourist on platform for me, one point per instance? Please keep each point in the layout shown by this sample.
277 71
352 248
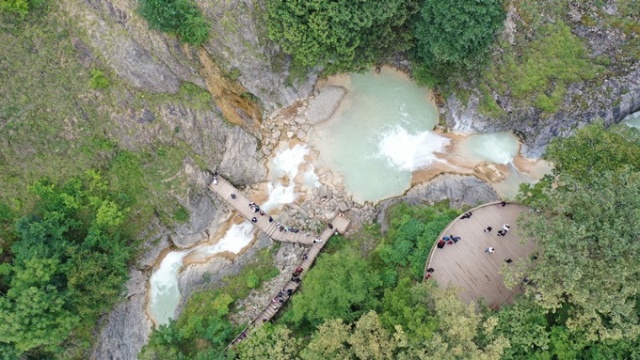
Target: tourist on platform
490 250
233 196
317 240
506 227
466 215
441 244
430 270
508 261
501 233
253 219
503 204
456 239
488 229
270 219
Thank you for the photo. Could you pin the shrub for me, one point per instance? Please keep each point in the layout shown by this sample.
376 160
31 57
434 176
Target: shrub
98 80
180 17
454 36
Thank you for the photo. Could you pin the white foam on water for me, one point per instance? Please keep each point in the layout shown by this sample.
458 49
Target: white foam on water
163 285
498 148
310 178
234 240
287 163
409 152
164 292
279 195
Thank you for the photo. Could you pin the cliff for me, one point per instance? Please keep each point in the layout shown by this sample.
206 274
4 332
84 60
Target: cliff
597 74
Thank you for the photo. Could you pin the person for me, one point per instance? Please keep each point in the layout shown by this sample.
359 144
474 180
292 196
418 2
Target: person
428 276
441 244
503 204
508 261
446 238
261 212
233 196
299 269
430 270
501 233
215 180
270 219
506 227
466 215
455 239
253 219
490 250
330 226
289 292
488 229
317 240
305 256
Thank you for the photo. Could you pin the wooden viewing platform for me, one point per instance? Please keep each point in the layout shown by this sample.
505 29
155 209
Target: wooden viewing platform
240 203
466 265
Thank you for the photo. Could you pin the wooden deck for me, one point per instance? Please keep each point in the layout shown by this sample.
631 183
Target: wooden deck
467 266
338 223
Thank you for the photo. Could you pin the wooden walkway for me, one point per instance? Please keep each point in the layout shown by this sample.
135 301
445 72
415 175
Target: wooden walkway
466 265
240 203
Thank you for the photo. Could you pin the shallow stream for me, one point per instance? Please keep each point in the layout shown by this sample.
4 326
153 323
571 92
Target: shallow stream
378 142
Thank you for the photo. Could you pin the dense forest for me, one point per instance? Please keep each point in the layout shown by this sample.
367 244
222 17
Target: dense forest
75 205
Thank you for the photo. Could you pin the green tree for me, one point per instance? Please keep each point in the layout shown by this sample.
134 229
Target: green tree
585 230
586 235
341 285
340 35
67 266
453 37
459 326
270 343
181 17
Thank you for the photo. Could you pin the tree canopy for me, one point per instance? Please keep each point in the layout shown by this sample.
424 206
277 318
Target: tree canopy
68 263
586 230
454 36
340 35
343 286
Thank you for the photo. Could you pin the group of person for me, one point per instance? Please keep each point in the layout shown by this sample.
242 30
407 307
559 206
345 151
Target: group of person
448 240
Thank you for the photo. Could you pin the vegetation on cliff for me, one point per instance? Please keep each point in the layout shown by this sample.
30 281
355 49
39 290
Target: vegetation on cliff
340 35
180 17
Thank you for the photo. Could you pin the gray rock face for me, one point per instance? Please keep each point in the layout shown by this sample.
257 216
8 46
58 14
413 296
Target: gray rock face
609 100
459 190
222 146
239 41
325 103
127 323
145 59
535 131
157 62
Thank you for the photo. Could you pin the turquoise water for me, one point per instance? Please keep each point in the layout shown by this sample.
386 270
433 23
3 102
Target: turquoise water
632 120
380 134
497 148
